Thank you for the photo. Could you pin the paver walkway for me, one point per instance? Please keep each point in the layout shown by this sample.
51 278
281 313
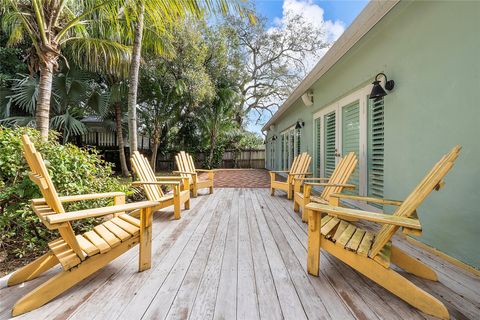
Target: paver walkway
242 178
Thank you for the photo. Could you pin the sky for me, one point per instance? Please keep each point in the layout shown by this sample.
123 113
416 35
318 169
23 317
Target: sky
334 15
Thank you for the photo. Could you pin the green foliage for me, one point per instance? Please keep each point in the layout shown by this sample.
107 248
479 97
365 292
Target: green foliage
73 171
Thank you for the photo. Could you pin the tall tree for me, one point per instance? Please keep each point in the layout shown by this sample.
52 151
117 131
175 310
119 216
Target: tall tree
161 14
274 60
51 25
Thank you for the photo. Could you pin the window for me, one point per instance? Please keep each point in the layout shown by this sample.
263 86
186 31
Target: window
351 137
353 123
330 143
291 146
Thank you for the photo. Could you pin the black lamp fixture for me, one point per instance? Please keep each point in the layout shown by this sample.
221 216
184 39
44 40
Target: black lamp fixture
274 138
377 91
299 124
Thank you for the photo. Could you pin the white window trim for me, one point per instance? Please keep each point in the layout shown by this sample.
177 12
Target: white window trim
360 95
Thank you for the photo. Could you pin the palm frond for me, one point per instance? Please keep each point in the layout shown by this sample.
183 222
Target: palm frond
68 124
99 55
25 93
27 121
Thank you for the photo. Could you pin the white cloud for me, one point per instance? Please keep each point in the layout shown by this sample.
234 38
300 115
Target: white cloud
314 14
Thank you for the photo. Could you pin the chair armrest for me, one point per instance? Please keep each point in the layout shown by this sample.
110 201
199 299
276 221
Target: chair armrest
184 172
311 178
367 199
140 183
301 174
169 178
365 215
347 186
205 170
98 212
81 197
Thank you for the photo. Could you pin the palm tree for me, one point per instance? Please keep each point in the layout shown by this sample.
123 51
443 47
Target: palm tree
159 15
218 119
53 26
109 103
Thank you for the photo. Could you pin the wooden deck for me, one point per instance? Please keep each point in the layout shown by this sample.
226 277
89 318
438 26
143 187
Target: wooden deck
241 254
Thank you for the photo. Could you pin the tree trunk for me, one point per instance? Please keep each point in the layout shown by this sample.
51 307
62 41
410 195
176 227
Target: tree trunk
42 114
212 150
153 160
121 145
133 79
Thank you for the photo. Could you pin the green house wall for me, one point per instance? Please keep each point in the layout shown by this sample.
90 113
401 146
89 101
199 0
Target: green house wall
432 51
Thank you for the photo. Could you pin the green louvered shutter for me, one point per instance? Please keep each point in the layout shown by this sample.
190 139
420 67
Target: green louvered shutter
330 136
351 137
283 152
318 133
299 139
292 147
375 148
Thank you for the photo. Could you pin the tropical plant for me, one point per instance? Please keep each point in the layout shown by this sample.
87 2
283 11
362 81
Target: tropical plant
71 93
73 170
53 26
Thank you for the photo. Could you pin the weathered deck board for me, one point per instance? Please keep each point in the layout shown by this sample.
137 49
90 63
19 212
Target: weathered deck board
241 253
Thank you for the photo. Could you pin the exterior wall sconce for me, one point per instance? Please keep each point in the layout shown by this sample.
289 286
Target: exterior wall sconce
377 91
307 98
300 124
274 138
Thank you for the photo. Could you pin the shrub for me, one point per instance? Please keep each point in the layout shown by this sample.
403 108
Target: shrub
73 171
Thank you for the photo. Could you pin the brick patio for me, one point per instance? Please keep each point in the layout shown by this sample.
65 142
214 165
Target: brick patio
242 178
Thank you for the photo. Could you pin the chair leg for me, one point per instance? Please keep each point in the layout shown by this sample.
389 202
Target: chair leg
211 189
290 192
187 204
176 207
304 215
296 207
314 242
145 256
412 265
33 269
194 191
67 279
390 280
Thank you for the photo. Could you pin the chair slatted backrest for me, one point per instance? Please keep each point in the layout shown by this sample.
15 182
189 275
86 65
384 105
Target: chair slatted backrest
40 176
340 175
433 180
185 164
191 163
294 165
144 171
300 166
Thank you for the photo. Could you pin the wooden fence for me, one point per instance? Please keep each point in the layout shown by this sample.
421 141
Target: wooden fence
231 159
106 143
108 140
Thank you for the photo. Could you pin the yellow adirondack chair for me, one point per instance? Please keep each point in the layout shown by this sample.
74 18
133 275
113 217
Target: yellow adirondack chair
84 254
370 253
186 169
335 184
299 169
151 184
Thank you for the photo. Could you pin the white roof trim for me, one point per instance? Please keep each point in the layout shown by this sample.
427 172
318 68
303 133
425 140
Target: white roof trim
369 17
